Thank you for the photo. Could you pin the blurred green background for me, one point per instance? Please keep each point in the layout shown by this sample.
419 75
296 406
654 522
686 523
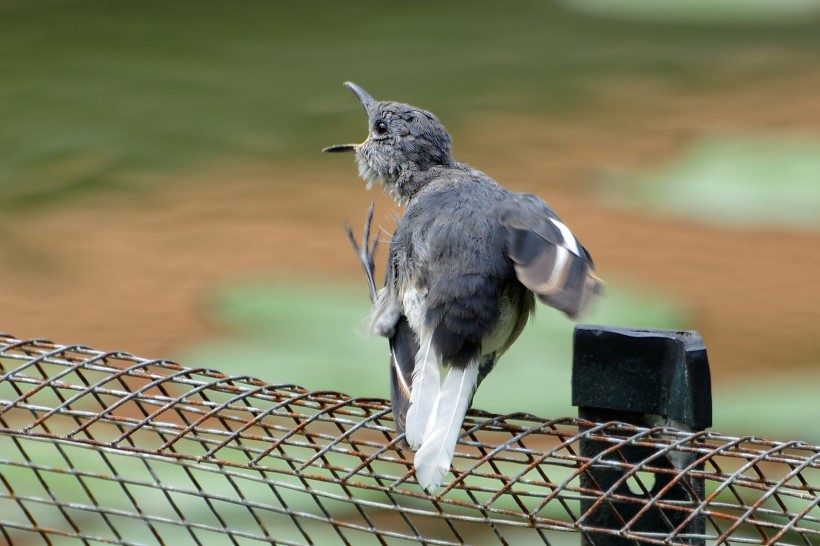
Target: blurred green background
163 190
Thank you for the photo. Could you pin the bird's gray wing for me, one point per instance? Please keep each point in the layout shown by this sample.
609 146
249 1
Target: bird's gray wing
403 349
548 259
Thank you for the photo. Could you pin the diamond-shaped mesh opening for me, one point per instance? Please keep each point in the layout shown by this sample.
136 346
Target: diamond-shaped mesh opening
110 448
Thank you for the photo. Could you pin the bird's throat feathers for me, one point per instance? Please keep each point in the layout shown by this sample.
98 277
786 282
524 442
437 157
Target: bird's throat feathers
401 180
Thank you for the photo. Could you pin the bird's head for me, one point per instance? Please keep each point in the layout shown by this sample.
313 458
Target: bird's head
401 140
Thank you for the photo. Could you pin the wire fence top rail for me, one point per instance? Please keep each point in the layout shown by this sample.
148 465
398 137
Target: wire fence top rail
110 448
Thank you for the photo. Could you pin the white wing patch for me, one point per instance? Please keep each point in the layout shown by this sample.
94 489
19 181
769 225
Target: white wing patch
558 273
569 238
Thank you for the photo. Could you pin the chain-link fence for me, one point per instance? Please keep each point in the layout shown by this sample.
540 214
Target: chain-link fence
108 448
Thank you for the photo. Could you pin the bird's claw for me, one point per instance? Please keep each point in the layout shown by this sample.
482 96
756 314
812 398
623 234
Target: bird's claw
366 252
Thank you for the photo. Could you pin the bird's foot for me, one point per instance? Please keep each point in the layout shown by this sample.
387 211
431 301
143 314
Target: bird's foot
367 252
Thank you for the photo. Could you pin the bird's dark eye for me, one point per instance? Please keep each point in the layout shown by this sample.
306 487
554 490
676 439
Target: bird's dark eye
380 127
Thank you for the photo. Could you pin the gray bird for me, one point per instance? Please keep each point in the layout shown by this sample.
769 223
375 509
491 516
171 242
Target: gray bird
465 264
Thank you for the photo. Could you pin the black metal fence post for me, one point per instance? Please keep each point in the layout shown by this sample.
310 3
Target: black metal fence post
646 378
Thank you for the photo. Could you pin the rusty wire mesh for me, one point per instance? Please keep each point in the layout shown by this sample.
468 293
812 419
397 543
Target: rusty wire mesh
109 448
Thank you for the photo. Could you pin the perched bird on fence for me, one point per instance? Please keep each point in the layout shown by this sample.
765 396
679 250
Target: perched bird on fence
465 264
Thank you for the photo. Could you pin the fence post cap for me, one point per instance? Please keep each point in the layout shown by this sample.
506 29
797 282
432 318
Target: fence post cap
657 372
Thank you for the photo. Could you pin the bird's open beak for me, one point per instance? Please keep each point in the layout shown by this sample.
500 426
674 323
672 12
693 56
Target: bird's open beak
365 98
340 148
367 101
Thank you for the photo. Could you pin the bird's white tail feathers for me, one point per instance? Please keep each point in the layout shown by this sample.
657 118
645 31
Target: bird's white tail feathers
432 460
424 393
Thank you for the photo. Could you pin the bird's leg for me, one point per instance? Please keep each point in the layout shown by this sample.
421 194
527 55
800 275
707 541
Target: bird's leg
366 252
386 311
